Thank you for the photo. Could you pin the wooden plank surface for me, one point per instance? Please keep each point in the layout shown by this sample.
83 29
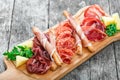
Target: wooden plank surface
27 13
6 7
16 26
115 7
56 16
102 66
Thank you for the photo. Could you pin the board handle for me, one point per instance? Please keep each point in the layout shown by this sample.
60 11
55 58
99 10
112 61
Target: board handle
12 73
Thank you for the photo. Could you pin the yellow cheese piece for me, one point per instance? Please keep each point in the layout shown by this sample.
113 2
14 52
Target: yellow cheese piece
117 20
108 20
28 43
20 60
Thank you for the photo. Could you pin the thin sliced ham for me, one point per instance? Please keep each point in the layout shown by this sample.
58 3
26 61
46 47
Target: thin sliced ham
46 44
94 11
79 31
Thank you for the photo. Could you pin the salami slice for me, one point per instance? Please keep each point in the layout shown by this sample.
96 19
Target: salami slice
62 29
65 42
66 55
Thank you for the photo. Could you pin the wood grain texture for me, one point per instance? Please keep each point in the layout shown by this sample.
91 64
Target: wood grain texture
6 7
28 13
102 66
63 70
115 7
11 73
46 13
56 15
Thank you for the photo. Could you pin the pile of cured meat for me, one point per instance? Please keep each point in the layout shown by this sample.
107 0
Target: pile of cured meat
69 37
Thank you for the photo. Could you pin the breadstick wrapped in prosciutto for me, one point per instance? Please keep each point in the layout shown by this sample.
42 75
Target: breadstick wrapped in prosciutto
53 43
44 42
78 44
79 31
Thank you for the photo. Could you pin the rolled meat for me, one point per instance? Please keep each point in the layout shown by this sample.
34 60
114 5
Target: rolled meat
78 44
79 31
45 43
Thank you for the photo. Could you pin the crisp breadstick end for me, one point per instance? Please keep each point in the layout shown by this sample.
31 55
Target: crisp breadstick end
79 50
56 58
65 13
91 48
53 66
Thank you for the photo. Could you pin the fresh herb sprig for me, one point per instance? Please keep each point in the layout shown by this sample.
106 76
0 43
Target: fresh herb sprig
111 29
19 50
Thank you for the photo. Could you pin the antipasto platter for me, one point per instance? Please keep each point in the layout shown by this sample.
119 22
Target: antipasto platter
52 54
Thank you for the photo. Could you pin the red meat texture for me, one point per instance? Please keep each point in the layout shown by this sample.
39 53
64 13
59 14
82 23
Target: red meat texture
40 62
92 26
65 42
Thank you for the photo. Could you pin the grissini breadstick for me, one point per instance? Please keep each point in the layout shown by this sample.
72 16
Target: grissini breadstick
53 43
44 42
78 44
53 66
79 31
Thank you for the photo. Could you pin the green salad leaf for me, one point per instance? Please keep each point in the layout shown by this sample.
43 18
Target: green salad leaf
19 50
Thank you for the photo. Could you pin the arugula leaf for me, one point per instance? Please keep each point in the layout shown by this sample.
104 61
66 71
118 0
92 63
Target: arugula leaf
19 50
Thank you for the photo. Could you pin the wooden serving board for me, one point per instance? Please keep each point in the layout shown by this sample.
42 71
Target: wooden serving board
13 73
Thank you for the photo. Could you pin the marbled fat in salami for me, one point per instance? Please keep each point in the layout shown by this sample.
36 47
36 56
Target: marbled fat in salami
40 62
65 42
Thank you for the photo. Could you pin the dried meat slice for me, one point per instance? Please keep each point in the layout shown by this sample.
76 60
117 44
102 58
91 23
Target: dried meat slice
68 43
66 55
65 42
39 63
94 11
93 28
96 35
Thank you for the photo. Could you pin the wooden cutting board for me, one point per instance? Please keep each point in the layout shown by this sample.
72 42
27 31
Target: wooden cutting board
13 73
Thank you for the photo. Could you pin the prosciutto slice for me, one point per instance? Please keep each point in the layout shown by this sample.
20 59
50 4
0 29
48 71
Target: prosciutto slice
94 11
91 24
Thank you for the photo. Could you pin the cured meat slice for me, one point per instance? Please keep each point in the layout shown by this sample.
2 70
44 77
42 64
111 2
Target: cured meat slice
95 35
94 11
79 31
47 45
63 28
65 42
93 28
40 62
64 35
66 55
90 23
